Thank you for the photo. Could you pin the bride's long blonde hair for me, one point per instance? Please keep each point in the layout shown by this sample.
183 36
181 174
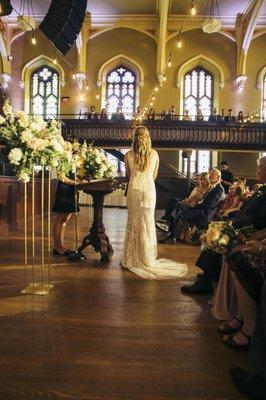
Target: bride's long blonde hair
141 146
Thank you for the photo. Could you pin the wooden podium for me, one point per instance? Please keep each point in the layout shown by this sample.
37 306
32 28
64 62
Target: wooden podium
97 237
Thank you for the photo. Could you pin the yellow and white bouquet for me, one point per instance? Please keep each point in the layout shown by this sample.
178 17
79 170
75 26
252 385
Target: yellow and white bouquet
95 164
218 236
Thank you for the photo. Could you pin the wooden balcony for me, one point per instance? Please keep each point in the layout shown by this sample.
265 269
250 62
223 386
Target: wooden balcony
170 134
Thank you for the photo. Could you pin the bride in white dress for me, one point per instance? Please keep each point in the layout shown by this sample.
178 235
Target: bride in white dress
140 245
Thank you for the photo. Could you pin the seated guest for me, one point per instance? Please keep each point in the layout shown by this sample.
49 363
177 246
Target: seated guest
119 115
253 384
186 116
202 213
240 117
233 202
103 114
230 117
213 117
175 203
253 212
227 176
199 115
151 114
92 114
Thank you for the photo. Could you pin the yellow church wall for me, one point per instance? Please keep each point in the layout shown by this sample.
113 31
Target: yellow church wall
134 44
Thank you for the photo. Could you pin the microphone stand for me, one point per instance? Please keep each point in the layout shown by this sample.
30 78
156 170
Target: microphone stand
76 256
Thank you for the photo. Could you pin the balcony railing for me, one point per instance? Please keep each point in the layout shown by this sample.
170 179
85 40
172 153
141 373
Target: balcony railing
169 133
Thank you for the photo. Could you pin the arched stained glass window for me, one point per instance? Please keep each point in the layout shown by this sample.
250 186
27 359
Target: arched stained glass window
121 91
45 92
198 92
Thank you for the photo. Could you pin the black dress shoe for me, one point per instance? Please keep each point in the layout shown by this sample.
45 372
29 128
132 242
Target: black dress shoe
250 385
197 288
168 240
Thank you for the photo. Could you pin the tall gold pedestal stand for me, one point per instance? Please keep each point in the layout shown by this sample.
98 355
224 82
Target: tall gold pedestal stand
43 287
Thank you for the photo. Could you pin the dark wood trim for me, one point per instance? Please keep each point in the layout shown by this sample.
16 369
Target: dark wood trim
170 134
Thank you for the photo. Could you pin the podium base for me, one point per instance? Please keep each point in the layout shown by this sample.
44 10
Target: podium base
76 257
37 288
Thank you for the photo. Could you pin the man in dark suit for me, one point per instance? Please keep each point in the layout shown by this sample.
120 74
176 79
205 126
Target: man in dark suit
227 177
202 213
253 212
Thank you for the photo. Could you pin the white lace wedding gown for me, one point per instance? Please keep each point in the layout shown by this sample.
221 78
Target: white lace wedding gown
140 246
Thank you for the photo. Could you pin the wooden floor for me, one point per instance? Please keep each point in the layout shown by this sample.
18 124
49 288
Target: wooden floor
104 333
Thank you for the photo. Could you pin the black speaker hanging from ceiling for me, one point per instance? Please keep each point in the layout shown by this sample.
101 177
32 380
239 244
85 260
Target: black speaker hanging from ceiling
63 22
5 8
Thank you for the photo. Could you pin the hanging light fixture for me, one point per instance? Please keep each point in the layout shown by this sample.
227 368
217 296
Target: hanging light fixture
212 22
26 20
193 9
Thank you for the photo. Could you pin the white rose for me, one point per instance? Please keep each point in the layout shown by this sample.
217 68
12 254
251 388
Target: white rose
22 117
37 144
15 156
96 152
2 120
224 240
104 168
98 160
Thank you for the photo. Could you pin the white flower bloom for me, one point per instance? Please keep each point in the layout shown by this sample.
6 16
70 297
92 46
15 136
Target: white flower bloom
6 133
56 145
24 177
22 117
96 152
2 120
98 160
39 121
224 240
104 167
15 156
35 127
26 135
7 109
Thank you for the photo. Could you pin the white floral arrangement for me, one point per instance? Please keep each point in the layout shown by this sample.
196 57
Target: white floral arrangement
218 236
31 141
92 163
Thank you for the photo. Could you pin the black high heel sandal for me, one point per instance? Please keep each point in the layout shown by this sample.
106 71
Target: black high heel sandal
66 253
227 329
